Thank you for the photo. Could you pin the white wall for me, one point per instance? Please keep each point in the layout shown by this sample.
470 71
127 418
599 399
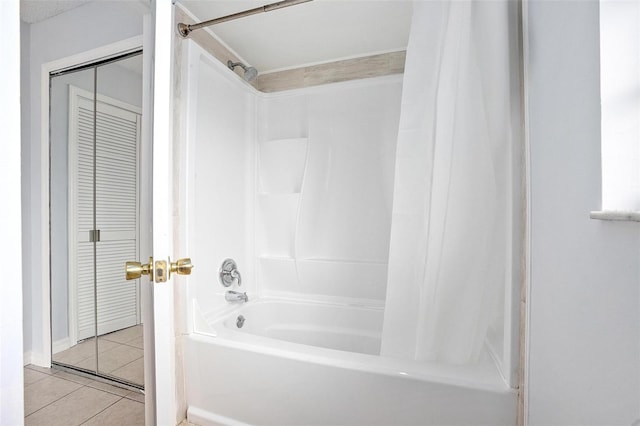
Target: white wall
584 338
25 160
11 376
95 24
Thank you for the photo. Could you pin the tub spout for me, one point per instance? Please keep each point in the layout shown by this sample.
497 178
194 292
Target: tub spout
235 296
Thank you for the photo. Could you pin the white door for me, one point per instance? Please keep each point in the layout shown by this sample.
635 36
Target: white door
164 389
116 210
164 400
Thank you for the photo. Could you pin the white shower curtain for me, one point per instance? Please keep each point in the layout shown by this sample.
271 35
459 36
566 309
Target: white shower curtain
450 245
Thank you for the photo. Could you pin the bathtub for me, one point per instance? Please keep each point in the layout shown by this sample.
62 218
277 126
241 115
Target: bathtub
284 362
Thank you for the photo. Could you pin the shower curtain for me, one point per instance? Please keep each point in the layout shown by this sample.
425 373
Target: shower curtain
450 245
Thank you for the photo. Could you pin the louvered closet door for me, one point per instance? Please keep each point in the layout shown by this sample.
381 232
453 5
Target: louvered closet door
116 204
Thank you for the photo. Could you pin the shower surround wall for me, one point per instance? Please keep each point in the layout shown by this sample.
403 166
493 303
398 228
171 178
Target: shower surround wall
221 123
296 187
324 191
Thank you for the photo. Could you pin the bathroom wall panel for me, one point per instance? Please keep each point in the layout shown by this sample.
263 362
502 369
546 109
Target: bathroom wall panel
343 216
276 216
283 117
298 184
221 152
282 163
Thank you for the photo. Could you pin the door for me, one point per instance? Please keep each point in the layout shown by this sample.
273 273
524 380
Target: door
116 210
166 368
164 395
95 128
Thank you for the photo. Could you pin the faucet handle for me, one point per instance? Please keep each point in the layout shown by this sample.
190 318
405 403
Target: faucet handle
235 296
235 274
228 273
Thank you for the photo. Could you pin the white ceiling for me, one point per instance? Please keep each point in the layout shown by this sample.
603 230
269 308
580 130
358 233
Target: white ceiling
308 33
32 11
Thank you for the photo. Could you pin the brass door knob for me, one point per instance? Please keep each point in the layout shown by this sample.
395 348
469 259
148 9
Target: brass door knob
180 266
134 270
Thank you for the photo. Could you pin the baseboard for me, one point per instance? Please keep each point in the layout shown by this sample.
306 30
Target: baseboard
26 358
61 345
31 357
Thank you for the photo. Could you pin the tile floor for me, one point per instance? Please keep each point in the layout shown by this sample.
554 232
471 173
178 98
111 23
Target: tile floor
53 397
119 354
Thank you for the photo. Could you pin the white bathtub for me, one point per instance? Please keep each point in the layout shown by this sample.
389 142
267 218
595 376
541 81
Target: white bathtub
302 363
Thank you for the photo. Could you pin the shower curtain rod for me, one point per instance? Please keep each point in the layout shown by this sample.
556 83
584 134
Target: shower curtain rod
185 29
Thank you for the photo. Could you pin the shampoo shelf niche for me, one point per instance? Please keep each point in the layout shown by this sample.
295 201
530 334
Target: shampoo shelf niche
281 164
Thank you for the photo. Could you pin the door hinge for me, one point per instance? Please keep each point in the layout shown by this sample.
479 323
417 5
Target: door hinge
94 235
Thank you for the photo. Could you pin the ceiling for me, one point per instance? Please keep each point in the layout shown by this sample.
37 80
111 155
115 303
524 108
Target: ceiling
32 11
308 33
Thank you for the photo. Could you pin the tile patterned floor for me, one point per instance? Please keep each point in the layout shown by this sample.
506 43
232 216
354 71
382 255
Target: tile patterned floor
53 397
119 354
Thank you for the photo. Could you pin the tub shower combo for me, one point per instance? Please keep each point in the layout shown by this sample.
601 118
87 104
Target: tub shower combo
362 238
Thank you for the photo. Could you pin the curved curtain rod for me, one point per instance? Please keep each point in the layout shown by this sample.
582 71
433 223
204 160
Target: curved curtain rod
185 29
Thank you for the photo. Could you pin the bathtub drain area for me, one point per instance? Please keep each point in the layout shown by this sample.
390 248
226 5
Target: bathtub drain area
240 321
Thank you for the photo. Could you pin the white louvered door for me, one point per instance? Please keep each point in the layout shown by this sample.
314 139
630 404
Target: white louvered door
116 210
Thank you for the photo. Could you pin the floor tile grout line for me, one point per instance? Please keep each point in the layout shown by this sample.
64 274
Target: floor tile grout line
82 383
123 344
73 381
89 385
134 400
131 346
76 364
118 344
131 362
53 402
38 380
116 401
105 390
82 387
120 397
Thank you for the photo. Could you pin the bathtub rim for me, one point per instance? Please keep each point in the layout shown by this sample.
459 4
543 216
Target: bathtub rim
484 376
482 406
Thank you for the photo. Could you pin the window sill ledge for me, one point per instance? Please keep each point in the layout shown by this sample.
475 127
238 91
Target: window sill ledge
626 216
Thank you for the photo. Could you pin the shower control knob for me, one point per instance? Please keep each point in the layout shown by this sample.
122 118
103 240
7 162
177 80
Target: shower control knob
229 274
